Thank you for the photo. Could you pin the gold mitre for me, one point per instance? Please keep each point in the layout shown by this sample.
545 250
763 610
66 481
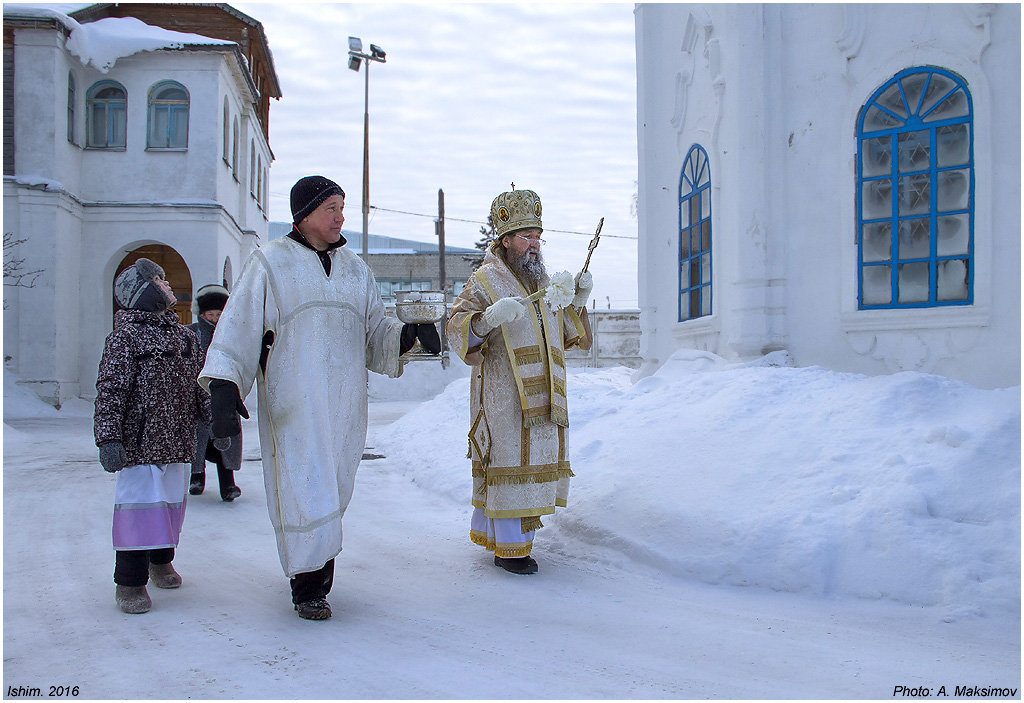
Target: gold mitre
515 210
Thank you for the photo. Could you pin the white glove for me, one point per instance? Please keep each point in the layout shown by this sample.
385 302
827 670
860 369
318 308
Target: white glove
502 311
584 284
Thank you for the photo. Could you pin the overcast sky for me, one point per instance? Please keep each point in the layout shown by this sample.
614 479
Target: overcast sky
472 98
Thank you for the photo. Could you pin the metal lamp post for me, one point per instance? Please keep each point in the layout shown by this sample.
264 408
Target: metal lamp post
355 59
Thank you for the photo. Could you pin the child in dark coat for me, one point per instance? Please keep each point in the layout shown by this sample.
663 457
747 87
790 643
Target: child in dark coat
147 407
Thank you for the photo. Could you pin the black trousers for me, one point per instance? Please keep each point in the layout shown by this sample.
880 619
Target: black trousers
313 584
131 567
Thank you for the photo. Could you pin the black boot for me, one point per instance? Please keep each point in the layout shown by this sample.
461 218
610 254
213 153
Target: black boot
228 490
517 565
316 609
197 484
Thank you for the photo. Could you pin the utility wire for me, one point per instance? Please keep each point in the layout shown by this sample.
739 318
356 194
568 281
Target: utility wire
479 222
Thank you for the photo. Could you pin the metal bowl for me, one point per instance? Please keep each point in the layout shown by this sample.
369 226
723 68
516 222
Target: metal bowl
420 306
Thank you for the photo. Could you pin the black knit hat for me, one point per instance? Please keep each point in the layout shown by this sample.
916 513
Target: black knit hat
211 297
309 192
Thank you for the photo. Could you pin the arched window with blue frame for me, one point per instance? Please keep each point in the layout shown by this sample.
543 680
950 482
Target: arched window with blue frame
168 116
106 114
695 235
915 194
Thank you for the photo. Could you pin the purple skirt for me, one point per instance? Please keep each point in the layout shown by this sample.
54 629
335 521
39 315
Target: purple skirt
149 506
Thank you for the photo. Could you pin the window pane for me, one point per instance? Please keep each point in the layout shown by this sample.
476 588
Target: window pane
913 88
915 239
892 100
98 125
705 203
877 157
179 133
109 93
953 190
954 235
913 283
158 127
915 151
694 203
954 279
877 199
876 285
695 240
877 245
684 306
953 145
877 119
118 117
684 244
684 276
172 93
953 106
695 303
915 194
705 268
938 87
705 235
705 300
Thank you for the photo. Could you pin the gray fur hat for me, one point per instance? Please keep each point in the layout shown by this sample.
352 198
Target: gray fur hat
133 281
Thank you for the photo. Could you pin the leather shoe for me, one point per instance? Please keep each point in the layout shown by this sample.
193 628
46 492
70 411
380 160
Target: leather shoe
315 609
517 565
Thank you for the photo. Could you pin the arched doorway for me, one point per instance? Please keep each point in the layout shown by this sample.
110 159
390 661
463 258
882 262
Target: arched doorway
175 269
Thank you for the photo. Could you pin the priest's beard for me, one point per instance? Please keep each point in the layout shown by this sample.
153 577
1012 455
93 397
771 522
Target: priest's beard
529 266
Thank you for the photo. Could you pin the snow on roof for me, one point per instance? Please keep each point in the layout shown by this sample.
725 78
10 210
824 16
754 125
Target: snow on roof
101 43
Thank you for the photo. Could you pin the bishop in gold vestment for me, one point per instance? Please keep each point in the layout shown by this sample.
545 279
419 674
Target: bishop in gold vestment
518 412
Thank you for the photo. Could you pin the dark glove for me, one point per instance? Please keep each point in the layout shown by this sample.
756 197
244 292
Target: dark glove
226 406
408 337
112 456
429 338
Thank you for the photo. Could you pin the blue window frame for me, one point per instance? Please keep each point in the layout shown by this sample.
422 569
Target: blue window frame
106 108
695 235
168 116
915 192
71 107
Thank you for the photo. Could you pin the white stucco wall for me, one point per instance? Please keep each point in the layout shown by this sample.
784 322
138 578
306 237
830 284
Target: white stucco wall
772 92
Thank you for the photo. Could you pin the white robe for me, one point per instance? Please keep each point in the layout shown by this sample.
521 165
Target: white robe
312 401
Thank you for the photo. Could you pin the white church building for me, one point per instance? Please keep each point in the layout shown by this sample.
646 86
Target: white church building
841 181
129 130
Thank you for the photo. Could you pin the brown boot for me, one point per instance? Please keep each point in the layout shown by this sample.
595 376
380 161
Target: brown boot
164 576
132 599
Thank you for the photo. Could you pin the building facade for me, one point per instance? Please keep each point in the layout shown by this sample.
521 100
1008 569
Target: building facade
160 153
841 181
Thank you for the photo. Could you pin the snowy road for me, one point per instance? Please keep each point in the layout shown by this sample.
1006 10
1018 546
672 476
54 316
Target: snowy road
420 612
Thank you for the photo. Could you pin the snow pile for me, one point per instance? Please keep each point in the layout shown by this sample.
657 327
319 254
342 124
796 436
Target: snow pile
902 487
420 380
101 43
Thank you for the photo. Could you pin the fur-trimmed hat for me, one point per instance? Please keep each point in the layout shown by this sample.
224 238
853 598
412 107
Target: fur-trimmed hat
515 210
209 297
132 283
309 192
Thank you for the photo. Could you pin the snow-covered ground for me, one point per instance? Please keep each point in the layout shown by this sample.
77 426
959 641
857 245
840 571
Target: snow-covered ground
734 531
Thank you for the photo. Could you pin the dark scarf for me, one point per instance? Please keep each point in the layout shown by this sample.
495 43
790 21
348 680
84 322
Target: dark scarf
324 256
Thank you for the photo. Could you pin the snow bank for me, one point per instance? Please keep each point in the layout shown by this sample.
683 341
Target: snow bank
902 487
101 43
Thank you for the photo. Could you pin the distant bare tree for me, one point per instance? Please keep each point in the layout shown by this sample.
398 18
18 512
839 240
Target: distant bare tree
15 274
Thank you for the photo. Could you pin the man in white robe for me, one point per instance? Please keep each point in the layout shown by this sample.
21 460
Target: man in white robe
306 320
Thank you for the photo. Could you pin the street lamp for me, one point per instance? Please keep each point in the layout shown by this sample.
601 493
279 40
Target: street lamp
355 58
